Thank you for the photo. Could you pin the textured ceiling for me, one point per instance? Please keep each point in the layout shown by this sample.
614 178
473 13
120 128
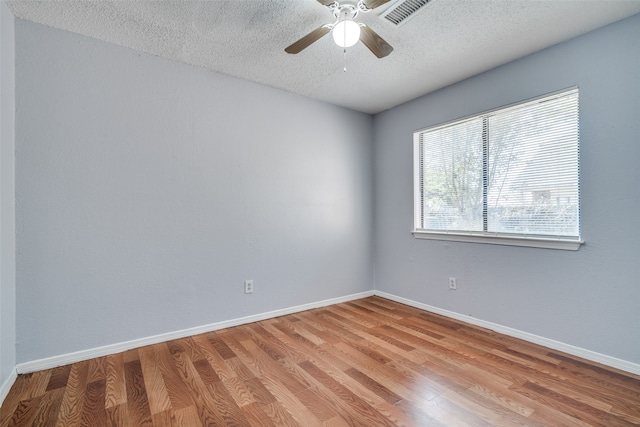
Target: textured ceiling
444 42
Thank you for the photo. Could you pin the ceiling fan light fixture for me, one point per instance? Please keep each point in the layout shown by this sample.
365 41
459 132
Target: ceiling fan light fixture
346 33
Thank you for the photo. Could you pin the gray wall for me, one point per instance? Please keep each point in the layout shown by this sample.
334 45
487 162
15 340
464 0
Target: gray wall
7 197
587 298
148 190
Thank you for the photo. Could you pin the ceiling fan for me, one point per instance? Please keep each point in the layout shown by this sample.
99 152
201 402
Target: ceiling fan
347 32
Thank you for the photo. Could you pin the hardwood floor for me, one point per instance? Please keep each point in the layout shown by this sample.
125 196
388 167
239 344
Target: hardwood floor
371 362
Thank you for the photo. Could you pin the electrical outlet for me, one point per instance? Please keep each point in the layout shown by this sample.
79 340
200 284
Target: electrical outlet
452 283
248 286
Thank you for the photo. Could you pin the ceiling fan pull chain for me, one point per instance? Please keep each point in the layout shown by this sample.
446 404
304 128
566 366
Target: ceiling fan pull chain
344 70
345 60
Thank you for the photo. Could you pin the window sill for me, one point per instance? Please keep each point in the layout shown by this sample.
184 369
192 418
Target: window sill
531 242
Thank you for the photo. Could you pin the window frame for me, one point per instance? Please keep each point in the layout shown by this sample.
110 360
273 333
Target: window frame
487 237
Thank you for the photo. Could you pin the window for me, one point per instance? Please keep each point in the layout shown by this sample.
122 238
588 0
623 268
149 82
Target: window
508 176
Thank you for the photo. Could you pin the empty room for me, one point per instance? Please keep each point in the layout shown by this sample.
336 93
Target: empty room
319 213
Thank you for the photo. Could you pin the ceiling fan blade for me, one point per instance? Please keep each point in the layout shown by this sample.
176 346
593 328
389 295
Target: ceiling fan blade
328 2
307 40
371 4
374 42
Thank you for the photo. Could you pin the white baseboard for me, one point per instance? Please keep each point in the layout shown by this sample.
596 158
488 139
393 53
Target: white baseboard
6 385
613 362
65 359
52 362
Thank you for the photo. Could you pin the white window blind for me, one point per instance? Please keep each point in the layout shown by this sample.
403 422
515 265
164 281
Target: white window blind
510 173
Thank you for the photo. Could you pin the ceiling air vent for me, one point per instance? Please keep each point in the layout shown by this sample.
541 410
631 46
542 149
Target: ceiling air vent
403 10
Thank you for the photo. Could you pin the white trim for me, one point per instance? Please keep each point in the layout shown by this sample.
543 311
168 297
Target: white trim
7 384
531 242
613 362
52 362
65 359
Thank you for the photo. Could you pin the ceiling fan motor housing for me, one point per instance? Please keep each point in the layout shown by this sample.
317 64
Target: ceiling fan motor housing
345 10
352 6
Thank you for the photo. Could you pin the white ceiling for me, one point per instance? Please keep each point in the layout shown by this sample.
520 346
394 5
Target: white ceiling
444 42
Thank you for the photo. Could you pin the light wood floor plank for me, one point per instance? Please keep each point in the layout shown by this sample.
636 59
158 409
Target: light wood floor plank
138 410
155 388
